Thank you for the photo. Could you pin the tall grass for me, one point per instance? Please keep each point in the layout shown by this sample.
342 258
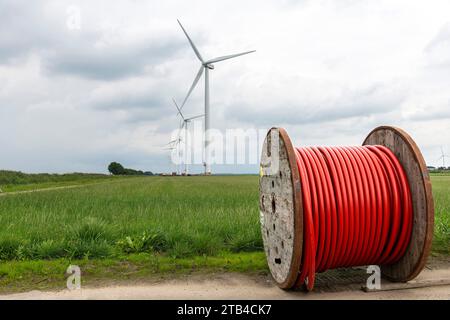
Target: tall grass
180 216
441 195
176 216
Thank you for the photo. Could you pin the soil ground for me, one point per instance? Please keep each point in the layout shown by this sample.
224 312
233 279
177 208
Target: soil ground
334 284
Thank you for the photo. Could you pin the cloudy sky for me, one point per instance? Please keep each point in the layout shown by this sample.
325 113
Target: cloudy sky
83 83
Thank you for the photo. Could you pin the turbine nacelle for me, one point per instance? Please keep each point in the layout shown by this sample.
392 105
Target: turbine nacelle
209 66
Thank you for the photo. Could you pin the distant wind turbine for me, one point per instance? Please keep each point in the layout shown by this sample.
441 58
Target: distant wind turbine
205 66
184 126
171 148
174 145
443 156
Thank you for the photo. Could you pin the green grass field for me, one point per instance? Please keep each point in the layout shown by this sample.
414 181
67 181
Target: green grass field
177 216
441 195
169 219
180 216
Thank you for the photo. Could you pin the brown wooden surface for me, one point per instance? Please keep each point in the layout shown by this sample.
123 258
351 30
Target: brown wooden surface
409 155
281 211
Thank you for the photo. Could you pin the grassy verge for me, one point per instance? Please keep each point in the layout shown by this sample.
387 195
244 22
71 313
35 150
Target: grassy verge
12 181
18 276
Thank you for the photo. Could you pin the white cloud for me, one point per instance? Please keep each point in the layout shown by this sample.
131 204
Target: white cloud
328 71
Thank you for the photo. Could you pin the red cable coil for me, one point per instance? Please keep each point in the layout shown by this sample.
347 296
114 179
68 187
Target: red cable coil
357 208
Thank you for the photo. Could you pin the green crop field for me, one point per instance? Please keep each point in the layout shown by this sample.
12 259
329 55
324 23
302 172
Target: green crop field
441 195
179 216
170 218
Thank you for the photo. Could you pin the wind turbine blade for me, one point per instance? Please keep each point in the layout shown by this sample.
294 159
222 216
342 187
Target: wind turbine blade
192 118
179 111
192 43
197 77
171 142
228 57
176 142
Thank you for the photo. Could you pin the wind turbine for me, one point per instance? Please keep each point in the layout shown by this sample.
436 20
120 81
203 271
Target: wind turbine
205 66
171 148
174 145
185 125
443 156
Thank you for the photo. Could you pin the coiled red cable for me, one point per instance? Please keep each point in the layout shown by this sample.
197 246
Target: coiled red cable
357 208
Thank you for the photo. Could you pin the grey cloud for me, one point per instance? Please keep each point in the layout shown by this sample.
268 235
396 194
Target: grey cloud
108 63
73 100
26 28
430 112
366 102
441 38
437 51
23 28
129 101
143 101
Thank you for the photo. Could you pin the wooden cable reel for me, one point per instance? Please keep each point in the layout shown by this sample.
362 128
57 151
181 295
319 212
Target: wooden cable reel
281 210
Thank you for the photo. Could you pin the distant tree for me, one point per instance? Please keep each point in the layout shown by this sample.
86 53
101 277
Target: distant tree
132 172
116 168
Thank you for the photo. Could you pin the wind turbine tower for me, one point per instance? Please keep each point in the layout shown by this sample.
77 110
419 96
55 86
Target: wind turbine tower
184 126
443 156
205 66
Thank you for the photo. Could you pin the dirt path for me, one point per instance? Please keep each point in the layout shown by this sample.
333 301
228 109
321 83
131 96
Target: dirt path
238 286
46 189
72 186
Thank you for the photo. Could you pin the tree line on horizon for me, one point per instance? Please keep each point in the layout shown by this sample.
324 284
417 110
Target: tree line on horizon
117 169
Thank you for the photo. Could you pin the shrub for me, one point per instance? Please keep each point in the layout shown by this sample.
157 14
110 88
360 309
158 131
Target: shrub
246 244
148 241
47 249
88 249
9 248
91 229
